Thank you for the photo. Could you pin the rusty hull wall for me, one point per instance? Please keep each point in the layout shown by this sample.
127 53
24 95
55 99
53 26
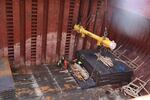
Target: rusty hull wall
40 31
129 25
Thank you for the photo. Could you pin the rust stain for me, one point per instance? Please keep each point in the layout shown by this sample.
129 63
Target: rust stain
24 91
68 86
48 98
46 89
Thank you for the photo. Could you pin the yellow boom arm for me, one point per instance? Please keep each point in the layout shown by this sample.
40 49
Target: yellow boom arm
100 40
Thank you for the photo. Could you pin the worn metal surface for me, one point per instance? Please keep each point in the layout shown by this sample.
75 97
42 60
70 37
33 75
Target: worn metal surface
49 82
49 22
22 32
44 35
38 30
60 23
6 79
130 29
41 81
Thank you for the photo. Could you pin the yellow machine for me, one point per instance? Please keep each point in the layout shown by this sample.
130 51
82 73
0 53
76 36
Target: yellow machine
101 41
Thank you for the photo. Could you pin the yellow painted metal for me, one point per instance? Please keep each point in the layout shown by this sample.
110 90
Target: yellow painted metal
100 40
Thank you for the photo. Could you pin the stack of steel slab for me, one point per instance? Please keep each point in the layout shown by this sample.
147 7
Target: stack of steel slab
102 74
